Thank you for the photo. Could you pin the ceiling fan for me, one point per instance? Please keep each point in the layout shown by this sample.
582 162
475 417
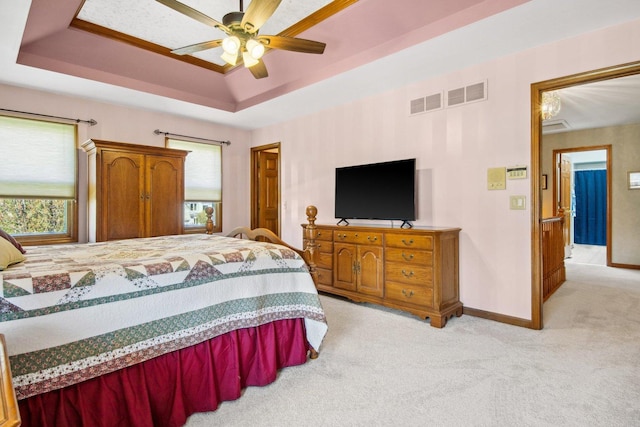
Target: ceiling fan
242 41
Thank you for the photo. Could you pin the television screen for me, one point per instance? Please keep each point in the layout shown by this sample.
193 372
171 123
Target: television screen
377 191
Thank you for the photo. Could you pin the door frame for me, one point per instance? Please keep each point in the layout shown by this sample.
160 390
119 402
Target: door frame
255 154
606 148
536 167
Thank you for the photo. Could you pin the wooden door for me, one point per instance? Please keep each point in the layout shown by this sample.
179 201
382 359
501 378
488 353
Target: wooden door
345 266
122 196
265 189
369 270
564 198
268 191
164 189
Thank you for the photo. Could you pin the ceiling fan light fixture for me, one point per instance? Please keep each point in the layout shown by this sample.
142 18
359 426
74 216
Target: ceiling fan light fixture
255 48
550 104
231 45
230 58
249 61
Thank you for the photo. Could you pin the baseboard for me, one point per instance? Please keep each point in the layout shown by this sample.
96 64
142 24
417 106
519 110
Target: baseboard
630 266
502 318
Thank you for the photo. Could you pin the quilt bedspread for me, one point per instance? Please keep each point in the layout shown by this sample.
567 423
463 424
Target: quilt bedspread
74 312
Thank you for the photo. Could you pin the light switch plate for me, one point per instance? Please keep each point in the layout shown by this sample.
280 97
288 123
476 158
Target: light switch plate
516 172
517 202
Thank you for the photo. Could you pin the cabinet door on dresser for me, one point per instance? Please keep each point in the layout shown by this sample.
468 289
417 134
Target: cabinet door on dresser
122 195
358 262
164 193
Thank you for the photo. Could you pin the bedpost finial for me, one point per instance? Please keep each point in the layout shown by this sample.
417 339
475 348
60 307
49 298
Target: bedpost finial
312 211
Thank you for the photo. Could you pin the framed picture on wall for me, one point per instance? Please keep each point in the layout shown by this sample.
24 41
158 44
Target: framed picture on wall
634 180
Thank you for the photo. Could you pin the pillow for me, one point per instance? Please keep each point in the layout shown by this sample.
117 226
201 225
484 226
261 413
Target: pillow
13 241
9 254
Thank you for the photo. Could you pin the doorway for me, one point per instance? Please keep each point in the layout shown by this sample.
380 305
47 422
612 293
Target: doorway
582 195
536 168
265 187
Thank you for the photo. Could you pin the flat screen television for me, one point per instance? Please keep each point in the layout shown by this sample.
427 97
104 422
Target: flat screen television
383 191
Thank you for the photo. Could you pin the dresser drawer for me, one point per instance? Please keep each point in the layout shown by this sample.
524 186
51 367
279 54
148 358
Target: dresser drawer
414 294
325 245
408 241
325 277
409 256
360 237
324 234
324 260
410 274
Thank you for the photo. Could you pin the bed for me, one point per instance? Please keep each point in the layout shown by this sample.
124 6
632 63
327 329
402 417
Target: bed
145 332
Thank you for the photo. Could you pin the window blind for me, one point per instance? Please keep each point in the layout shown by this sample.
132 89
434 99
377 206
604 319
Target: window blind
202 170
38 159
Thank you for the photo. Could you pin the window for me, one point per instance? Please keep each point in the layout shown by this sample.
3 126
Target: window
202 184
38 180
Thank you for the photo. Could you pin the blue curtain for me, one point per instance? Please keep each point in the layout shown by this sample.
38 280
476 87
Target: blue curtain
590 221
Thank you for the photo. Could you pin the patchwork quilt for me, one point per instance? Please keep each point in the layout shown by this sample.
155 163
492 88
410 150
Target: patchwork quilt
74 312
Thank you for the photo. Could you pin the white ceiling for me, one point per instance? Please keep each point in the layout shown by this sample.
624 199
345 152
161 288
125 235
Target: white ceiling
534 23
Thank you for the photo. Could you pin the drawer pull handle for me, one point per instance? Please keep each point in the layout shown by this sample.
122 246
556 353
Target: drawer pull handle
407 258
407 294
375 238
405 274
409 243
341 236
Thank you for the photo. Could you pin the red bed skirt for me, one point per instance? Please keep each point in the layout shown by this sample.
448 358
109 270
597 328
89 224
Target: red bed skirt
164 391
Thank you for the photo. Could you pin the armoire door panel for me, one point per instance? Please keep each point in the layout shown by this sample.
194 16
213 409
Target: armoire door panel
163 196
122 195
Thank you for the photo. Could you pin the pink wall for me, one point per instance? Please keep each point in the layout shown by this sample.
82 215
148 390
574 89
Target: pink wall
136 126
454 148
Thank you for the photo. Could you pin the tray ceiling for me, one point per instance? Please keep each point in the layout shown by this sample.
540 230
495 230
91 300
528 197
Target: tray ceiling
372 46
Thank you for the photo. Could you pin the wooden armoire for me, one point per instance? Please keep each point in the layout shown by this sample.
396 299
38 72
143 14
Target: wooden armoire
134 190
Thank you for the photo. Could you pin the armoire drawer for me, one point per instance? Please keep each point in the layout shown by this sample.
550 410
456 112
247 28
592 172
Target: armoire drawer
409 274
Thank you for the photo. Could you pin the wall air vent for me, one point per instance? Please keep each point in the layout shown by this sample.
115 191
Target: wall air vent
476 92
417 106
455 97
554 126
433 102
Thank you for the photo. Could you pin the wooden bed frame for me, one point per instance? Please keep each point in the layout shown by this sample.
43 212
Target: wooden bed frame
9 414
308 253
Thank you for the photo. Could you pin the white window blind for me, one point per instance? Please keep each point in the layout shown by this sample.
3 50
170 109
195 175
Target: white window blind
202 170
38 159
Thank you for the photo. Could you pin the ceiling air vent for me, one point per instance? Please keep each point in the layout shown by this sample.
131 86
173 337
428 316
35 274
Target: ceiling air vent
553 126
417 106
455 97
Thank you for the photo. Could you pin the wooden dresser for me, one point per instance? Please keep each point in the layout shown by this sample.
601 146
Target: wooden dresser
134 190
414 270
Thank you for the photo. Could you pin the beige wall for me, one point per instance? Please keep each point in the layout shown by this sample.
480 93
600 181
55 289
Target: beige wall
625 209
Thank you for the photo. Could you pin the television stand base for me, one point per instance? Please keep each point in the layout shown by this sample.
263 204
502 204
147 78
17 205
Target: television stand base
343 221
406 224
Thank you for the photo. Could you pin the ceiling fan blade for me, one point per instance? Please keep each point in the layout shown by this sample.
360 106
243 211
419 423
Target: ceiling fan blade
195 14
292 43
192 48
258 12
259 70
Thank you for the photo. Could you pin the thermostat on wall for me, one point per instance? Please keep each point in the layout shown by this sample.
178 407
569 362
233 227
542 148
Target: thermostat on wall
517 172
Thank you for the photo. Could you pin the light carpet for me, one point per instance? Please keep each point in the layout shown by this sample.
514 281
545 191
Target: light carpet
379 367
